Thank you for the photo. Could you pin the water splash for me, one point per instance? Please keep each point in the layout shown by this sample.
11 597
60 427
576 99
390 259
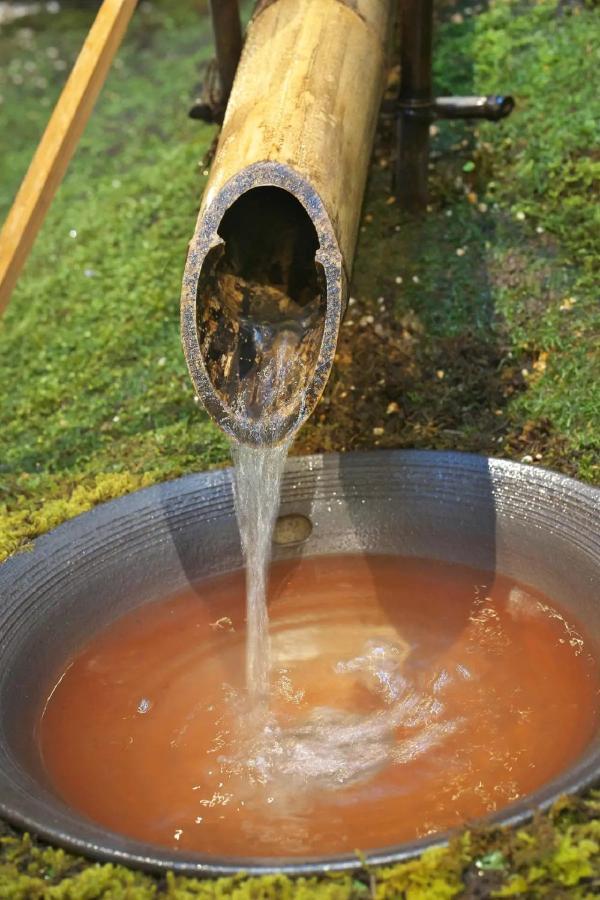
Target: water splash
302 749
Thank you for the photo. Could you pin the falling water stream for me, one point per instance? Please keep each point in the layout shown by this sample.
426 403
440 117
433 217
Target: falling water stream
258 472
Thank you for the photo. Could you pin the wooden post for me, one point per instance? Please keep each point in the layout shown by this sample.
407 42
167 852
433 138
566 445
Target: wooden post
415 104
60 139
227 29
296 141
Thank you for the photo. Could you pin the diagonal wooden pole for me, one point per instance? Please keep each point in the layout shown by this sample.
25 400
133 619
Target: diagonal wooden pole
60 139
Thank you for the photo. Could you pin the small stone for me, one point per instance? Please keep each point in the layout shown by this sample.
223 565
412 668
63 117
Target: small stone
527 458
567 304
392 408
351 301
378 431
482 207
398 279
460 251
434 130
440 374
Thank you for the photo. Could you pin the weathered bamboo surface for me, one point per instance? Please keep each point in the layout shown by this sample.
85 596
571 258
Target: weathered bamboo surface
307 95
60 139
301 117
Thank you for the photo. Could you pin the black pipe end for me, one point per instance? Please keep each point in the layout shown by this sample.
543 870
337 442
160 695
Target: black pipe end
499 106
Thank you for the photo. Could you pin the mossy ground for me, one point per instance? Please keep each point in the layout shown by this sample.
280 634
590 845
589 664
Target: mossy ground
555 857
474 327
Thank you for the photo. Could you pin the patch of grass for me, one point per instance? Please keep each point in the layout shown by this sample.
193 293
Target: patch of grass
477 324
95 390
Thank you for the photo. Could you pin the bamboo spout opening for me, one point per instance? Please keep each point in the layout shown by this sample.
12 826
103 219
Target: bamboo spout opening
266 275
260 310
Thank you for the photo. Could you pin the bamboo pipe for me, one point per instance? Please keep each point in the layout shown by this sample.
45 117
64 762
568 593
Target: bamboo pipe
276 232
60 140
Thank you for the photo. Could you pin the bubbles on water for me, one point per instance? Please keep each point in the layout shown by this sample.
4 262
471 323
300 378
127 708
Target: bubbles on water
379 668
522 605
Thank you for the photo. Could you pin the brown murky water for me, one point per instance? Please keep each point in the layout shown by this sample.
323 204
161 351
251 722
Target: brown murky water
406 696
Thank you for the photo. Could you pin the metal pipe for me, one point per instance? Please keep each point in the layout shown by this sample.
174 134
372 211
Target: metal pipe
410 183
493 108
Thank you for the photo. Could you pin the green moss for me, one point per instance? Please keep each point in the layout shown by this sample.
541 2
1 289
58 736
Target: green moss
96 398
556 856
539 168
484 311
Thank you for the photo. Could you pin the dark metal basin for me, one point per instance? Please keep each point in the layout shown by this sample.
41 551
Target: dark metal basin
528 523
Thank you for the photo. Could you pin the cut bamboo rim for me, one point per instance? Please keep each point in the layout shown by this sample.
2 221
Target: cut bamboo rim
301 118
